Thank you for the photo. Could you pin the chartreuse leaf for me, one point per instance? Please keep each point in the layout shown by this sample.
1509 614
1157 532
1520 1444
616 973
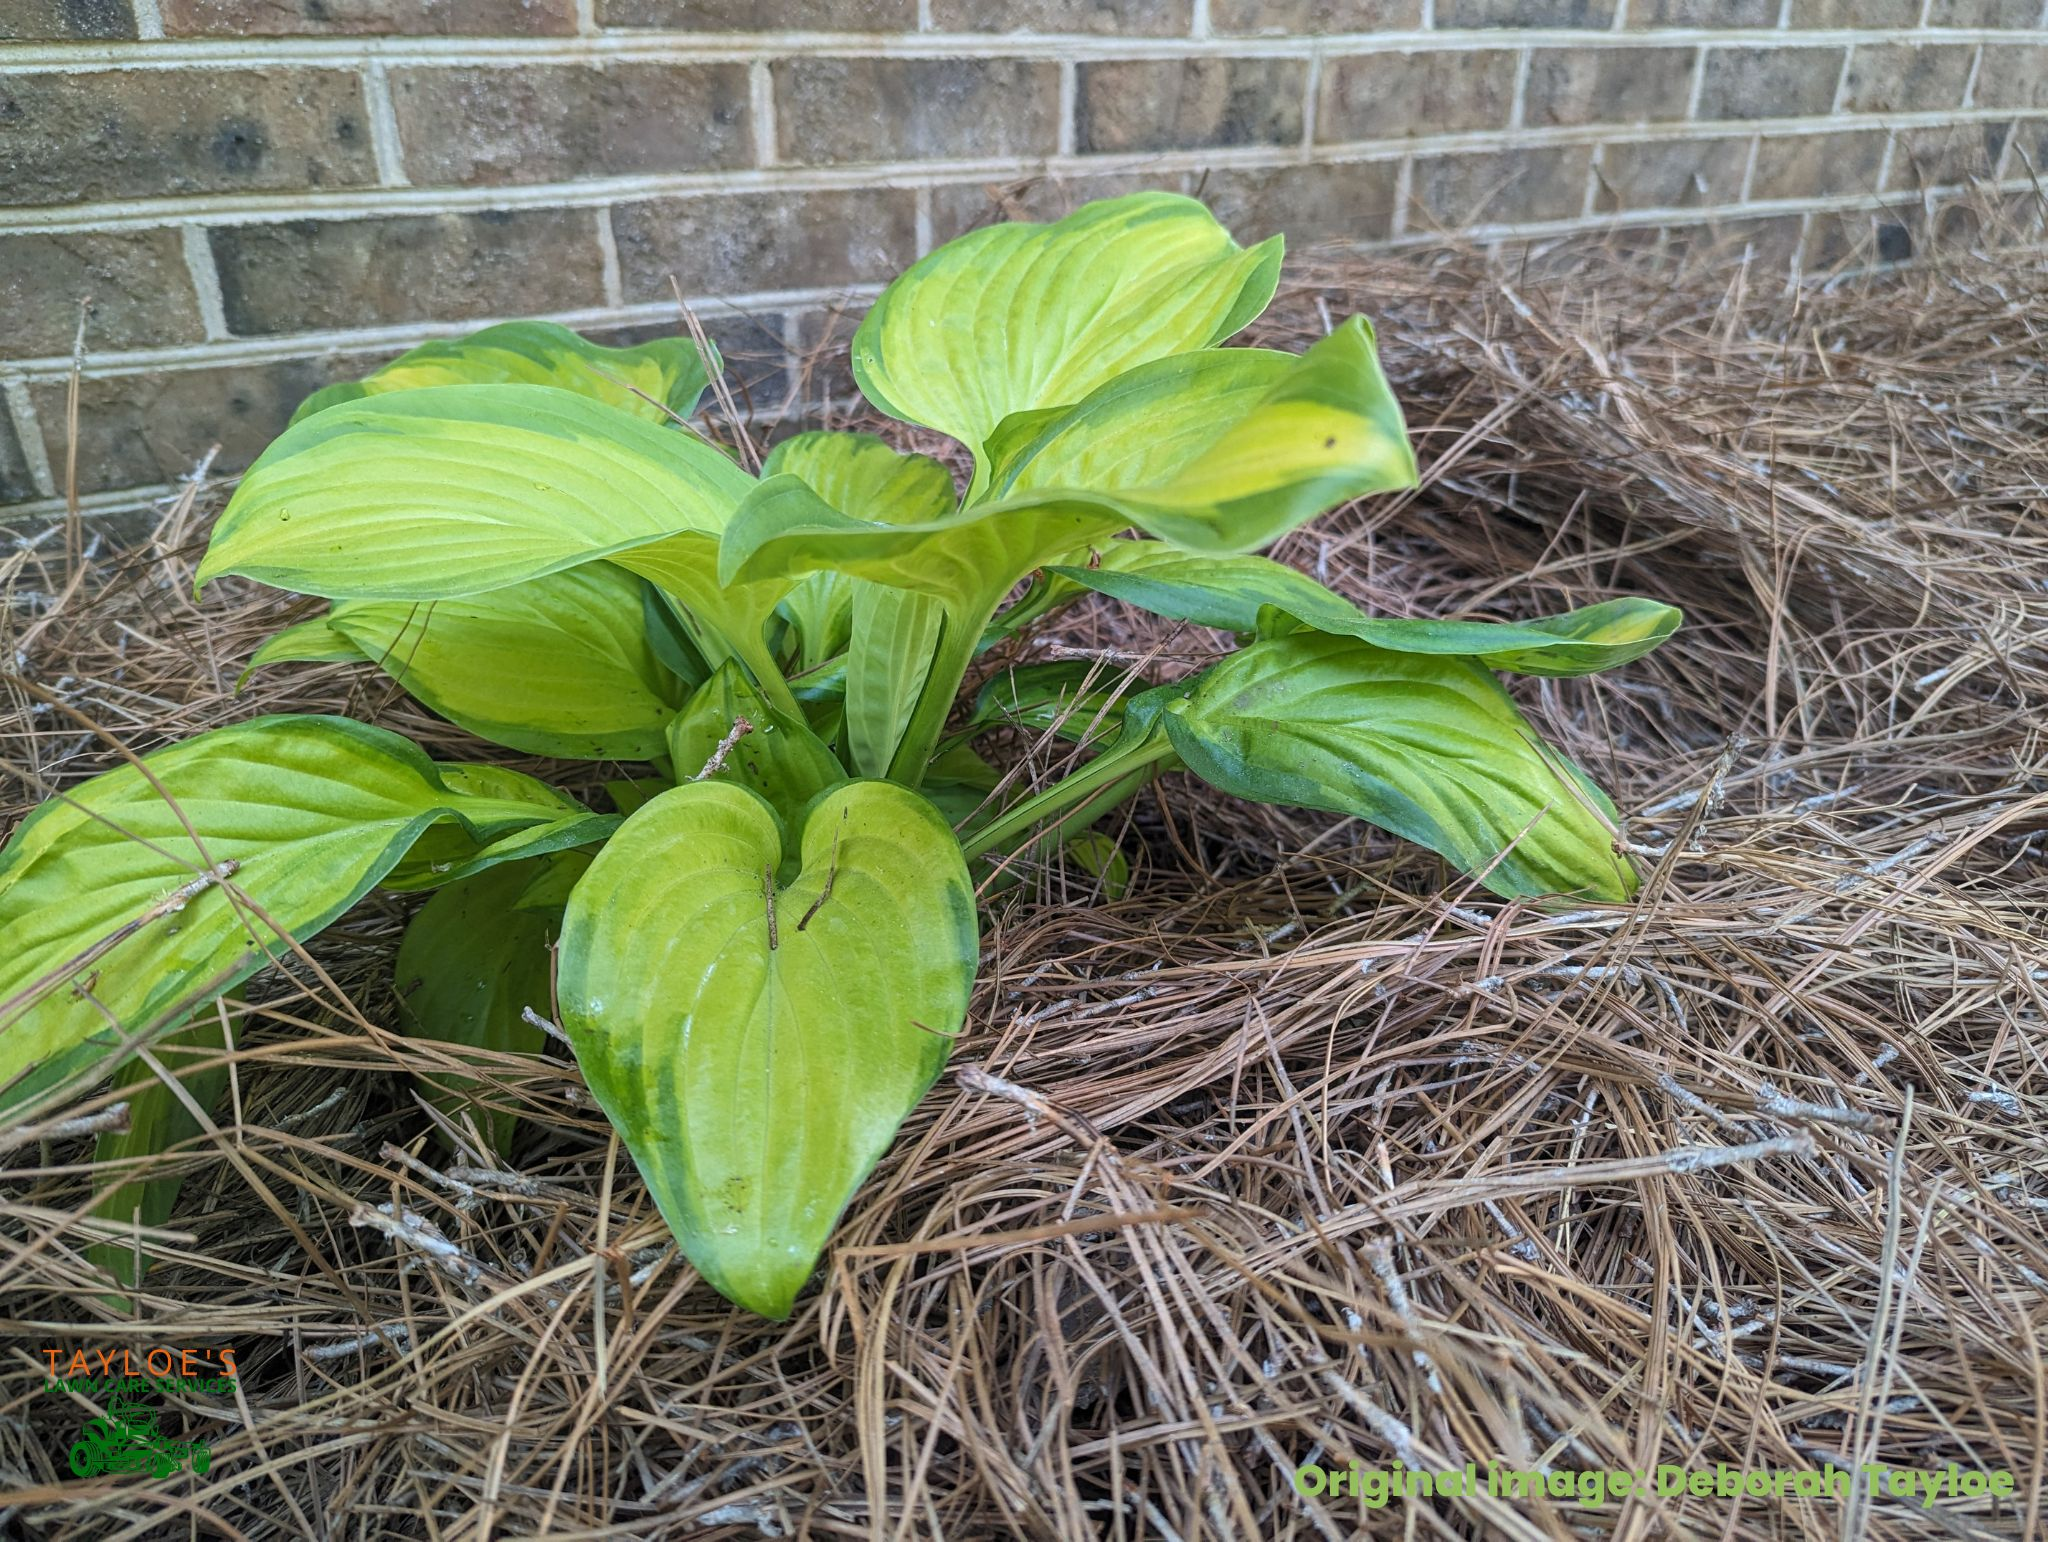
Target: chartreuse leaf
780 757
559 665
472 961
757 1044
449 491
669 370
1019 318
886 634
1428 747
305 642
157 1121
449 853
132 898
1219 451
1255 594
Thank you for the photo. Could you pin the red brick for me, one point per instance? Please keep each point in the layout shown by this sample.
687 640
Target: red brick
1672 173
750 242
2016 14
1170 104
836 110
1607 85
17 485
1945 156
961 207
63 20
313 274
1855 13
1907 77
1702 13
1103 18
541 123
356 18
1499 187
2012 76
762 15
1292 18
138 430
1351 202
1818 165
1596 14
137 281
148 133
1769 81
1400 95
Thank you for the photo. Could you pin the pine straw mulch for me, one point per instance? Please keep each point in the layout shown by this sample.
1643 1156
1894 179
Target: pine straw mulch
1304 1150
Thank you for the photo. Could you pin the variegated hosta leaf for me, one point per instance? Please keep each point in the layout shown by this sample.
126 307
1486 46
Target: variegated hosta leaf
887 635
1428 747
1017 317
132 898
757 1043
559 665
659 381
1218 451
1255 594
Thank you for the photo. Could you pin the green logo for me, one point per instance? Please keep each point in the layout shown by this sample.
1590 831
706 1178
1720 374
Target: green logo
128 1441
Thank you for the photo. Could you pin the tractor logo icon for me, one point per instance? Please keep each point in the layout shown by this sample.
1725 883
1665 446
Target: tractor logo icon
128 1441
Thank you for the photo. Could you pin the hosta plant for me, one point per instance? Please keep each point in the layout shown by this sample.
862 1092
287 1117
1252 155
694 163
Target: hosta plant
764 956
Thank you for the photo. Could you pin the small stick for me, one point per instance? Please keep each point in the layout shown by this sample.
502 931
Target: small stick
740 729
768 900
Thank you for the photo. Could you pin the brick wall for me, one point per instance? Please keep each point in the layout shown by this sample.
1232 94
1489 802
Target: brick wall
259 196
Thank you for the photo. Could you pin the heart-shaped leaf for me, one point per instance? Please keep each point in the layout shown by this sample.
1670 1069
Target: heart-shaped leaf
757 1045
1428 747
1019 317
668 370
134 897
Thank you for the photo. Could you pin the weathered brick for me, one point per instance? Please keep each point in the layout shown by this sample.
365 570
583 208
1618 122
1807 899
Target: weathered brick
1283 18
1855 13
1983 13
53 20
1351 202
145 133
1498 187
960 207
17 485
140 290
749 242
1105 18
1907 77
539 123
1702 13
137 430
358 18
834 110
1946 156
2029 154
2012 75
1608 85
312 274
1525 13
762 15
1672 173
1818 165
1769 82
1392 95
1168 104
